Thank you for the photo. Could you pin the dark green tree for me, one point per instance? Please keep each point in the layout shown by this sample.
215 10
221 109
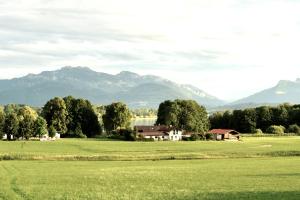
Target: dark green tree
244 120
294 129
192 116
264 117
81 116
217 120
2 121
55 113
294 115
227 119
249 121
183 114
168 113
11 125
117 116
280 115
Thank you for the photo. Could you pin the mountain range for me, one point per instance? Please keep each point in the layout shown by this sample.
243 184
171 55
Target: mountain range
131 88
101 88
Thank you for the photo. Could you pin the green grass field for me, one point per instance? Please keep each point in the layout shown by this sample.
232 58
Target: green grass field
256 168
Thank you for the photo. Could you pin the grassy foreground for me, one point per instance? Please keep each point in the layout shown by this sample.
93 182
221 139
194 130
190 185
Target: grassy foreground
193 179
97 150
256 168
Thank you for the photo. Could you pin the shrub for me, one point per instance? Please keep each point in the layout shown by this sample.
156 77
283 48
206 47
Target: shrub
128 134
123 134
279 130
258 132
145 139
294 129
194 137
209 136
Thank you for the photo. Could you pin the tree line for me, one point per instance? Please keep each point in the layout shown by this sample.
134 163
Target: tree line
68 116
265 119
78 118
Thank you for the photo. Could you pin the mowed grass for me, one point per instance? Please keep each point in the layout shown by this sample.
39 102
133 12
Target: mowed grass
99 150
255 168
260 178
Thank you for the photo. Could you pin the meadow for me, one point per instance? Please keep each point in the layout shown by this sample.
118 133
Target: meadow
255 168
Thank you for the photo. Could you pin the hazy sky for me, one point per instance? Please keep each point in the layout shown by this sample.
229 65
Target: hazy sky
229 48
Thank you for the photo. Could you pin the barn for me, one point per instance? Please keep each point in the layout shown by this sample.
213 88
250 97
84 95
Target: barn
225 134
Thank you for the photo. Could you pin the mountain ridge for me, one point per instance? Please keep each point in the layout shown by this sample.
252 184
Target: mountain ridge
285 91
101 88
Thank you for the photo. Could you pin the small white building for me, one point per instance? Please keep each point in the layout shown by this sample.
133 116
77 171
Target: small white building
6 138
174 135
57 136
159 133
47 138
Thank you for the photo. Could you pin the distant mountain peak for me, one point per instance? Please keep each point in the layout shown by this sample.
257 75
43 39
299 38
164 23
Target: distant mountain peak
128 74
285 91
284 82
68 68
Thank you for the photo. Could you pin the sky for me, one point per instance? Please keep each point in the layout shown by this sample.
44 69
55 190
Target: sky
229 48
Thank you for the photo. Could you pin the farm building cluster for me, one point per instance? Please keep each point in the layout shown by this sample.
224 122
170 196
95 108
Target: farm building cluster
161 132
43 138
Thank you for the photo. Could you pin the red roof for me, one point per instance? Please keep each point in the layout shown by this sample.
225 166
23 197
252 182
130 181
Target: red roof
222 131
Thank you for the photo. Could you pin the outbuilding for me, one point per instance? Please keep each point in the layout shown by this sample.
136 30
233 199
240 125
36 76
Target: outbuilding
225 134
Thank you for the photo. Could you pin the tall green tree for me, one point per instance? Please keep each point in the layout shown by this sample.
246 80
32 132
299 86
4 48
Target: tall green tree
81 118
168 113
280 115
40 127
117 115
26 127
264 117
11 125
192 116
227 119
249 121
294 115
244 120
55 113
2 121
183 114
27 117
216 120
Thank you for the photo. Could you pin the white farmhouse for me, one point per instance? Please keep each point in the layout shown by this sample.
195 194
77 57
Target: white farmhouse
159 132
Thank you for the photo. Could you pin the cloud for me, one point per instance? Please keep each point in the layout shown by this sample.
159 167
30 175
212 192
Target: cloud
189 41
